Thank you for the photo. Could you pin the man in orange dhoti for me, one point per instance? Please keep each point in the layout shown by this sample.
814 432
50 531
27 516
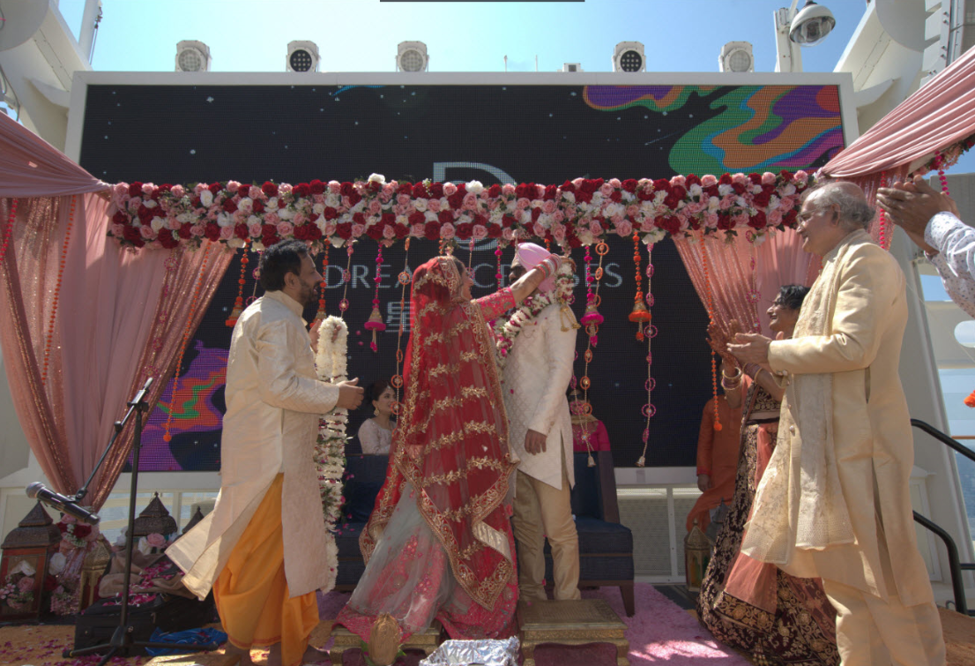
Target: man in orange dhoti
717 460
262 548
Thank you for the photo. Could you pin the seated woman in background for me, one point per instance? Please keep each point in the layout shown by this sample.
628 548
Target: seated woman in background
376 434
750 605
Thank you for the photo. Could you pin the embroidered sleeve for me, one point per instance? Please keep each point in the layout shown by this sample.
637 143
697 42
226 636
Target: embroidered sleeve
496 304
955 260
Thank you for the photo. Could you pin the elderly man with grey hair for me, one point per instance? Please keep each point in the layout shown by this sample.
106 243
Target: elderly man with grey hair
834 502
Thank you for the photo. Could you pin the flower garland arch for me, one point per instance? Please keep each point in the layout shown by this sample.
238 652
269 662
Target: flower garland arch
578 212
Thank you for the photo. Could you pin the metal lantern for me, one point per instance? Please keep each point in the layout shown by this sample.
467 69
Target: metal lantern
27 553
197 517
154 519
697 554
96 562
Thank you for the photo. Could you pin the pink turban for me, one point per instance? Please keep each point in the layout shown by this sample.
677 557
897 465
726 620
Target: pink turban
530 255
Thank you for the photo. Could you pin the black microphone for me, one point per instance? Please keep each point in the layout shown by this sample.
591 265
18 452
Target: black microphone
63 504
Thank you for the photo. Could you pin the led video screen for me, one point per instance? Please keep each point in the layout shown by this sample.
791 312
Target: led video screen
491 133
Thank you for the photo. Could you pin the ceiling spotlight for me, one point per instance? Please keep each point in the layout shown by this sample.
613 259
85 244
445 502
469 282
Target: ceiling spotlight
302 57
192 56
811 24
629 57
412 57
736 57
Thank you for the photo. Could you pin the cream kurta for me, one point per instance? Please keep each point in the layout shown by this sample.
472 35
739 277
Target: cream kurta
274 402
536 374
873 447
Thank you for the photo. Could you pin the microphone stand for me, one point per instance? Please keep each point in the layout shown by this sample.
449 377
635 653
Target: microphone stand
121 641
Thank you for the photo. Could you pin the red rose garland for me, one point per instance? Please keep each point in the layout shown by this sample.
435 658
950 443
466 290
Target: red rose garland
582 211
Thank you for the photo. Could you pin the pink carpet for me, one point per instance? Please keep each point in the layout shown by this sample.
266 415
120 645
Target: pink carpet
660 631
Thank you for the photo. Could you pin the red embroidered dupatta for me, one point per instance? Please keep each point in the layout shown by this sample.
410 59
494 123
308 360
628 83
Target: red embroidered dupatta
451 443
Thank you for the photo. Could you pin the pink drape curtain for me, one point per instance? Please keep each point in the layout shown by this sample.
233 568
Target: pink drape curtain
734 284
119 316
937 116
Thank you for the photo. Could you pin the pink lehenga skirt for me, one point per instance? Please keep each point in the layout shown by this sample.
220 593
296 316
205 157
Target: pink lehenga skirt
409 577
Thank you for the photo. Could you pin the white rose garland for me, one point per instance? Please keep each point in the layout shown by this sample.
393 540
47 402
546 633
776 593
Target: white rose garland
507 328
331 364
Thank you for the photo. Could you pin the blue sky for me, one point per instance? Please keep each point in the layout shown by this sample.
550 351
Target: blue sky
361 35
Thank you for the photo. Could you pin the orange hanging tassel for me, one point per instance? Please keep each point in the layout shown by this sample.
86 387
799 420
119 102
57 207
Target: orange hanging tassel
970 400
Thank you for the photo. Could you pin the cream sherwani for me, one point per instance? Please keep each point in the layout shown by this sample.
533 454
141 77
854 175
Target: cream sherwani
274 401
536 374
844 514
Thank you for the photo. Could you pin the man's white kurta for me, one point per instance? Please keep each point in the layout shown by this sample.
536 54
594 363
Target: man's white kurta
873 447
274 402
536 373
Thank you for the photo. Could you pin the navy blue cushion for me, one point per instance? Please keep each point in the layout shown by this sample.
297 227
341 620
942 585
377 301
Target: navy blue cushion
585 493
598 537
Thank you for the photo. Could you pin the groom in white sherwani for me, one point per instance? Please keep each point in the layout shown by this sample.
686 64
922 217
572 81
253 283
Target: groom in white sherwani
537 369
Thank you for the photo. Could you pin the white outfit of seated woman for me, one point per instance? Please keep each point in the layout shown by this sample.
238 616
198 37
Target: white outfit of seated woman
376 434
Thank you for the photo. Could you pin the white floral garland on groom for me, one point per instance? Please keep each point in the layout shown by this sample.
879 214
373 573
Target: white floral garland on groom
507 327
331 364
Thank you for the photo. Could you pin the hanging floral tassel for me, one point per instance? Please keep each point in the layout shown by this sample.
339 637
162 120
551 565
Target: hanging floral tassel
970 400
640 315
592 319
321 314
375 322
347 279
404 279
241 281
884 240
648 409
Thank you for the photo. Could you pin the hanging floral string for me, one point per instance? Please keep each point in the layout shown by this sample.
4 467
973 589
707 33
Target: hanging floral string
331 364
8 232
320 315
591 321
939 163
187 331
497 256
404 279
238 308
710 306
346 279
375 322
651 332
57 290
257 277
884 240
640 314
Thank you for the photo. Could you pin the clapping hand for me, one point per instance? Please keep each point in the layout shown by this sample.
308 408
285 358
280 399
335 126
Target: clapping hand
911 206
719 341
750 348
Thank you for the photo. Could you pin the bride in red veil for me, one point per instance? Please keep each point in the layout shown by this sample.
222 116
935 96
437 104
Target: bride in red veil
438 544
